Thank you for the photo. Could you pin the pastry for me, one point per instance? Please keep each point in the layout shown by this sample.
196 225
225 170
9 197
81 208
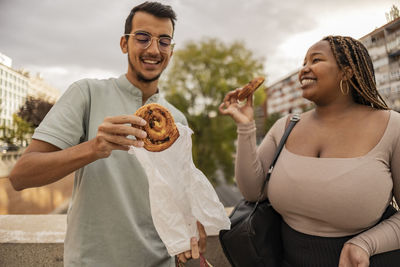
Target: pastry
160 127
250 88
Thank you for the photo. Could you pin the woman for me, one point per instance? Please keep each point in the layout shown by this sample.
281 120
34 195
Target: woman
340 166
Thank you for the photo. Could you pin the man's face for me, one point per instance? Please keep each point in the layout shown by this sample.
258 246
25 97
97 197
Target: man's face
147 64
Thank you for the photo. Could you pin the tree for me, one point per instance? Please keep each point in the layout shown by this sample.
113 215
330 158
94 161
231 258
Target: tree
29 116
19 133
7 134
393 14
197 81
271 119
23 130
34 110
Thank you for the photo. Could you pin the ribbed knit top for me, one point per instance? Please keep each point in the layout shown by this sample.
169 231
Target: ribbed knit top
328 197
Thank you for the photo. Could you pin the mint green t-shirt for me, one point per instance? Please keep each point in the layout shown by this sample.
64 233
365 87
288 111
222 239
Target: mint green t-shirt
109 221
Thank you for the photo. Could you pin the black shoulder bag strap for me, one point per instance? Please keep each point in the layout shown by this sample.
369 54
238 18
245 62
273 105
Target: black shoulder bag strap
293 120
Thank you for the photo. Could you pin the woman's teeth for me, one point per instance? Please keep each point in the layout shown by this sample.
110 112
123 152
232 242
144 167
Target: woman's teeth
307 81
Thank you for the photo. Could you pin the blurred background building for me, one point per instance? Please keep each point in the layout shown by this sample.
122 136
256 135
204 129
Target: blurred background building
16 86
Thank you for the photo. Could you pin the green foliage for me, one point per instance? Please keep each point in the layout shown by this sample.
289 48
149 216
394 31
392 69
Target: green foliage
19 133
271 119
29 116
259 97
34 110
23 129
7 134
198 79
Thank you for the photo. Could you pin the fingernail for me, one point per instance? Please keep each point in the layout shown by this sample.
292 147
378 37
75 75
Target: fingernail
143 134
140 143
143 122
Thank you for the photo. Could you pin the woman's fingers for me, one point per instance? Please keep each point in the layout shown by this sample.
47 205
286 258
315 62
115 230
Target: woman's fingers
249 100
188 254
182 258
195 254
202 237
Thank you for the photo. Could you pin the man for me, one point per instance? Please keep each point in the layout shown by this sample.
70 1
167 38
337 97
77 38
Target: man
88 131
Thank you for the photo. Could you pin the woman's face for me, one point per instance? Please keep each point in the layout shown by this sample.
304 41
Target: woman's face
320 76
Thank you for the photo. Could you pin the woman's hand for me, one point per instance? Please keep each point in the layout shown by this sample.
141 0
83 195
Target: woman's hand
353 256
197 247
241 113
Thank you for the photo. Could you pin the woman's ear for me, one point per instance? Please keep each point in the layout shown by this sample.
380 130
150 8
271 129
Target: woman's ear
347 73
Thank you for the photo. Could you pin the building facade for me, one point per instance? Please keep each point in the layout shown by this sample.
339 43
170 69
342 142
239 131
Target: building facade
39 88
13 91
383 45
284 96
16 85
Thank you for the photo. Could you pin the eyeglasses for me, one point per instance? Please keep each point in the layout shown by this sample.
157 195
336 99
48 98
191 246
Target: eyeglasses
144 40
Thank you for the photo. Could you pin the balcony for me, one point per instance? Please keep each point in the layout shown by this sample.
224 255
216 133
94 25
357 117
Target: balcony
393 43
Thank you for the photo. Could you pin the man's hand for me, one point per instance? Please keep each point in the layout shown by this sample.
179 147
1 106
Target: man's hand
353 256
197 247
113 134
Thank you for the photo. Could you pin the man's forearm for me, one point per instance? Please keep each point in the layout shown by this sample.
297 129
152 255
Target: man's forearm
35 169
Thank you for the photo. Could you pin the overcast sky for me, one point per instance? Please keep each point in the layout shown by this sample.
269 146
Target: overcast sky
69 40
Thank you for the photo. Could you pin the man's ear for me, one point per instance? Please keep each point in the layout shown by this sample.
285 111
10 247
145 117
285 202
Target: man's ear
347 73
124 44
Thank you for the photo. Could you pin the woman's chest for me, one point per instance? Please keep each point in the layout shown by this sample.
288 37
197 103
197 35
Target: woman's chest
334 141
344 193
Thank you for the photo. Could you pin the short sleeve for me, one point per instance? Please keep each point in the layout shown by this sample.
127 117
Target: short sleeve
64 125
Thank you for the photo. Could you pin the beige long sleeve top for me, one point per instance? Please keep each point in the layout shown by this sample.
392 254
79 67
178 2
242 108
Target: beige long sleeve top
328 197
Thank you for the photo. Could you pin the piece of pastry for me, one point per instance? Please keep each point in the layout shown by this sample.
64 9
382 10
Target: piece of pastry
250 88
160 128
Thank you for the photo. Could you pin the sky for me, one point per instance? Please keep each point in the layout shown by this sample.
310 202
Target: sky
66 41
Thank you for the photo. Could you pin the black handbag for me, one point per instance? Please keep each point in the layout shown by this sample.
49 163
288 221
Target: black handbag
254 239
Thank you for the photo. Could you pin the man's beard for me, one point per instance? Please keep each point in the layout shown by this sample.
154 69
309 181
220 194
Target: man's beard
140 76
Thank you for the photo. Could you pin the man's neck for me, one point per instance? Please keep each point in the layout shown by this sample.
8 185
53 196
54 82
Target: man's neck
148 88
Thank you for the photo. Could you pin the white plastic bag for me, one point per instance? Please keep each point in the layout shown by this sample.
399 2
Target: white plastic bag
180 194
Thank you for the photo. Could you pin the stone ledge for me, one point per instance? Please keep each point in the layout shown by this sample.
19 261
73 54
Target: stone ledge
38 240
26 229
34 254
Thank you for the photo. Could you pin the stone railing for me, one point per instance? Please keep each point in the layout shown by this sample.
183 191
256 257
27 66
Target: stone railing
32 240
38 240
36 200
7 161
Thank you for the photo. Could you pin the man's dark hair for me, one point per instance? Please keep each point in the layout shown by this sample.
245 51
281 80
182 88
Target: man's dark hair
154 8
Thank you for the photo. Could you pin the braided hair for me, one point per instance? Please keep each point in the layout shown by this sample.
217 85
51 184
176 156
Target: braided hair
352 53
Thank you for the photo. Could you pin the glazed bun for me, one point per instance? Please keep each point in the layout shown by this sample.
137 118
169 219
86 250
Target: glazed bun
160 128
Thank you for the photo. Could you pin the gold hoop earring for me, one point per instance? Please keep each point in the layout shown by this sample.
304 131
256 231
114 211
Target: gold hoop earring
347 88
